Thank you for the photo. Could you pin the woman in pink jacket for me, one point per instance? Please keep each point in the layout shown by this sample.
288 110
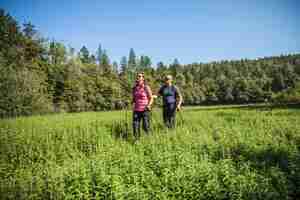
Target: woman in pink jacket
142 100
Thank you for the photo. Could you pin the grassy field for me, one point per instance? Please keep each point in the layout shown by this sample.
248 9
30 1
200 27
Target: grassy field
214 153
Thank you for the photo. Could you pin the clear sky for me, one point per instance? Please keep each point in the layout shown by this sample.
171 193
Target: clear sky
190 30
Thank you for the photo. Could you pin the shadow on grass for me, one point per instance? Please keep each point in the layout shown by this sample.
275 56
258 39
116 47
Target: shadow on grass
120 130
262 107
275 162
273 107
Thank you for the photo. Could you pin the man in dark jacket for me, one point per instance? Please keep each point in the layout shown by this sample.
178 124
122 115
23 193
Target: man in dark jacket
172 100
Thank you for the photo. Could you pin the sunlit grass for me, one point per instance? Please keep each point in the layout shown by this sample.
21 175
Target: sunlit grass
212 154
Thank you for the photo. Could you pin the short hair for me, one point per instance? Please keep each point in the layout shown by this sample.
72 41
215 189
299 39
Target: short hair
168 77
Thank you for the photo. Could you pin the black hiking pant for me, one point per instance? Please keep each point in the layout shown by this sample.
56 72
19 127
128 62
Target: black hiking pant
139 116
169 113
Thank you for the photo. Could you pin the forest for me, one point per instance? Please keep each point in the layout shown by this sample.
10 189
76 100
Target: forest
40 75
237 136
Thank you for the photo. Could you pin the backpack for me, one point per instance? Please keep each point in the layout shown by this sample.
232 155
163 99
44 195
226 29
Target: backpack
171 98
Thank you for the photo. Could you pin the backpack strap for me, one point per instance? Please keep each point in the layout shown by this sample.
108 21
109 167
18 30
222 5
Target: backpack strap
176 91
161 89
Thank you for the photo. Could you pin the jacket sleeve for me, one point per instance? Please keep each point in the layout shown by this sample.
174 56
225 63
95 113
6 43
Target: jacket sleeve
177 92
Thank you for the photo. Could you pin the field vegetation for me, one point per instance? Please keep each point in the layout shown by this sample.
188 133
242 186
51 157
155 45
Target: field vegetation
214 153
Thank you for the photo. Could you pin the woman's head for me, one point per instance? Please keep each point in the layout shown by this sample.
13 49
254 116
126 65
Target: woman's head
140 78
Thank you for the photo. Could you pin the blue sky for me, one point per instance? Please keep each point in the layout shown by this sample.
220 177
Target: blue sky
191 30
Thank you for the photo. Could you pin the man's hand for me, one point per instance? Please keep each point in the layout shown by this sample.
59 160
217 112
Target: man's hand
148 107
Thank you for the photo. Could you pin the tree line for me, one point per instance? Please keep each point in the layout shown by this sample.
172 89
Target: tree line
39 75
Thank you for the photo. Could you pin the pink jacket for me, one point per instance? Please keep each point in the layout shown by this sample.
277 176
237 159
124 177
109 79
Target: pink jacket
141 97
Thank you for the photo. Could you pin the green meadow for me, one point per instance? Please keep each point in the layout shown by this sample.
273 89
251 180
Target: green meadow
214 153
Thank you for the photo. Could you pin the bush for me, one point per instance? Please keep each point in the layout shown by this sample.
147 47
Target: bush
23 92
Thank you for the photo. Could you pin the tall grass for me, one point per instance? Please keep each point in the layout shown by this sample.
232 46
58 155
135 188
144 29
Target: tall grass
212 154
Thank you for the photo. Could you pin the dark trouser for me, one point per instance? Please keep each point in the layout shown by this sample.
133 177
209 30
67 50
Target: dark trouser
137 117
169 113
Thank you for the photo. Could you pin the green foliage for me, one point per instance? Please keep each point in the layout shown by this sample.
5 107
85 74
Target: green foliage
123 64
105 63
132 60
23 92
65 81
224 154
29 30
84 55
144 62
57 53
99 53
292 95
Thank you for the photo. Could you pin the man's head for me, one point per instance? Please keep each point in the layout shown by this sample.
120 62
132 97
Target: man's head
168 79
